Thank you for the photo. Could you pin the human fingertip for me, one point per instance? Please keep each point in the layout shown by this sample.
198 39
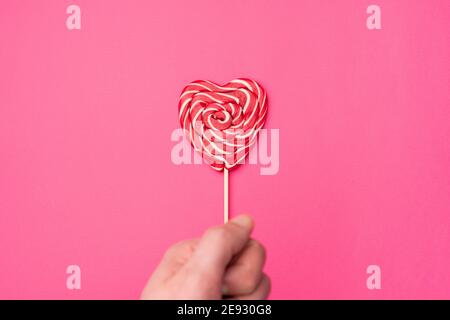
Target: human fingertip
244 221
225 290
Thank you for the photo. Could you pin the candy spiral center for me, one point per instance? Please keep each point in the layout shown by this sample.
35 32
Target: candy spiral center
216 117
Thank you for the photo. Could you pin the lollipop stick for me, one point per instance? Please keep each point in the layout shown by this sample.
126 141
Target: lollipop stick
225 195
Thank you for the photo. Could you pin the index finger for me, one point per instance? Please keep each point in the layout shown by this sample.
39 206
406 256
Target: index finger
220 244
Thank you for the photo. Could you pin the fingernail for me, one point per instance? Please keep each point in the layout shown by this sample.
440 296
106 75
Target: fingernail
243 221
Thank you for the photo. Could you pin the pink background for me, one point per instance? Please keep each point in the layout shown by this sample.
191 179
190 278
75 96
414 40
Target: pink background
364 116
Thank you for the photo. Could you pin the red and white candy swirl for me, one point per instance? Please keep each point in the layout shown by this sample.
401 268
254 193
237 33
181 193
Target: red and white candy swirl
222 122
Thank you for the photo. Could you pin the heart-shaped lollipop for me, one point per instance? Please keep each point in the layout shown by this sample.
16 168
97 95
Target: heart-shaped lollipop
222 122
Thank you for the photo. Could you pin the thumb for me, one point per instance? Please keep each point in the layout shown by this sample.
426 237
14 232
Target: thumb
219 244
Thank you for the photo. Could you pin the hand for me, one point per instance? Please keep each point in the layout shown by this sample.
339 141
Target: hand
224 263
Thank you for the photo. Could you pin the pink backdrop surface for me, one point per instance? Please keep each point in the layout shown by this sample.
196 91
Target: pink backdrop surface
86 115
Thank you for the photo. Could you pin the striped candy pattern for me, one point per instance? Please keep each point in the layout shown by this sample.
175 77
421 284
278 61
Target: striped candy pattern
222 122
